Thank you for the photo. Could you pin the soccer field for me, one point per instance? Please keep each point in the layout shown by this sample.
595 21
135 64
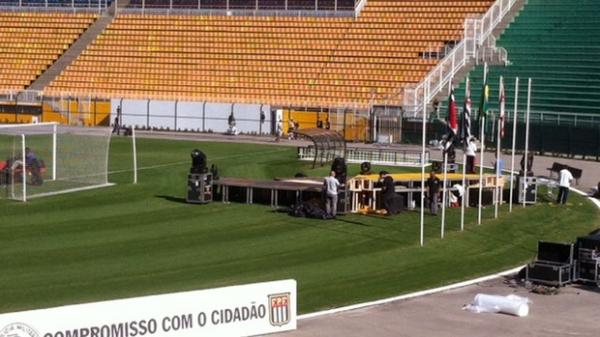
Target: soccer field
132 240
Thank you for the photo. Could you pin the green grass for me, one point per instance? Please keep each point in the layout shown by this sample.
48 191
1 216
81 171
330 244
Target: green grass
132 240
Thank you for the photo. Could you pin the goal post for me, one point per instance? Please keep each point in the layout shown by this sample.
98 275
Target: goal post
45 159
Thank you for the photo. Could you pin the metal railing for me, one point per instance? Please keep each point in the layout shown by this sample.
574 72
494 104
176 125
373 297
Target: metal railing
476 32
319 8
490 53
55 6
388 156
251 8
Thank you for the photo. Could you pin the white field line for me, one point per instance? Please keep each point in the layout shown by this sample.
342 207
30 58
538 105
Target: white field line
151 167
429 291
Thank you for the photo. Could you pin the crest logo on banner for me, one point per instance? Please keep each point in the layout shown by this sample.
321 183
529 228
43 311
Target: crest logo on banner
18 330
279 309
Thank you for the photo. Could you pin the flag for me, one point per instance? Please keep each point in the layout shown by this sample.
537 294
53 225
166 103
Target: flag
502 112
483 104
465 125
452 112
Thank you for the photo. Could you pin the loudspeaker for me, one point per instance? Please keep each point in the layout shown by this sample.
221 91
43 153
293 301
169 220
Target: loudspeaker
365 168
340 169
199 188
199 163
343 202
530 184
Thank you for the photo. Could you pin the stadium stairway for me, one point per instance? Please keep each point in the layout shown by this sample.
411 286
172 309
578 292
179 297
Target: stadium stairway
557 44
460 76
72 53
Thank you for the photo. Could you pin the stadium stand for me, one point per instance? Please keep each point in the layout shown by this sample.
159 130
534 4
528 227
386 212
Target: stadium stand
31 42
248 5
56 3
317 61
557 44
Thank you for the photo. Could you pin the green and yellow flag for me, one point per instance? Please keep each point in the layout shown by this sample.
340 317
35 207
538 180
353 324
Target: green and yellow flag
483 105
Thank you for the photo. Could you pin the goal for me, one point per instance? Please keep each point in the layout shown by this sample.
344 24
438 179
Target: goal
47 158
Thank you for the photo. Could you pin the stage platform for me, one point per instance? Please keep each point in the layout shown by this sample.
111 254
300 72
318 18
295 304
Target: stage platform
272 192
361 191
416 177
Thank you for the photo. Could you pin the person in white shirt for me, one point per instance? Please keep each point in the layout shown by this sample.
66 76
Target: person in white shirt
470 150
279 130
331 197
564 183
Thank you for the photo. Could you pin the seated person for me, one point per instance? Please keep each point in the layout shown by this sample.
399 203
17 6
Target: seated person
597 193
34 166
455 197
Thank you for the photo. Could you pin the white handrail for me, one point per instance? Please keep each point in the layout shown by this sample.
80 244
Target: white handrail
476 31
359 7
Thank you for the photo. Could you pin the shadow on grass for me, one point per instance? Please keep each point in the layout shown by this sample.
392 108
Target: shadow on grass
172 199
325 225
340 219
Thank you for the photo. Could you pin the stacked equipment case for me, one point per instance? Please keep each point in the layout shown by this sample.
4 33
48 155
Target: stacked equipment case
553 266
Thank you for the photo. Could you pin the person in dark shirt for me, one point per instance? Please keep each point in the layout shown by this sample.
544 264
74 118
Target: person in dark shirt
597 193
388 192
433 192
30 158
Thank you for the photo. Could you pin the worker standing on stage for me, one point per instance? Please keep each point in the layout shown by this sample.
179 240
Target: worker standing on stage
470 150
388 192
331 186
433 191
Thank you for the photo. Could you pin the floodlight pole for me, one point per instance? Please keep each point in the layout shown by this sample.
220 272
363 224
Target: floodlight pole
54 129
24 168
135 173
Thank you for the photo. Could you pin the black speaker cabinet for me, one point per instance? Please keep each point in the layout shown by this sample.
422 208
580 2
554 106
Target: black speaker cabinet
588 272
555 252
199 188
530 186
589 242
551 274
487 197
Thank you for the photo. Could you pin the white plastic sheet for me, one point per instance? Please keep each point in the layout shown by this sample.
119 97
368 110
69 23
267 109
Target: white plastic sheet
511 304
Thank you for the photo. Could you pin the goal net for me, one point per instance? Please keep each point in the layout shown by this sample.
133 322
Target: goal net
47 159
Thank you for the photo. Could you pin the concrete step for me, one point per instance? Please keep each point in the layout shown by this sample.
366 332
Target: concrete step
72 53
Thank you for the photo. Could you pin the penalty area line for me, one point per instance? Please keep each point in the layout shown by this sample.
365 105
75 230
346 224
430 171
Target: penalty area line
152 167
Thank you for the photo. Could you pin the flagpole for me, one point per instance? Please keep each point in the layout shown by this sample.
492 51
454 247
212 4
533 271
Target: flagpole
482 140
514 139
444 193
526 141
498 140
423 164
482 135
464 168
497 168
446 147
